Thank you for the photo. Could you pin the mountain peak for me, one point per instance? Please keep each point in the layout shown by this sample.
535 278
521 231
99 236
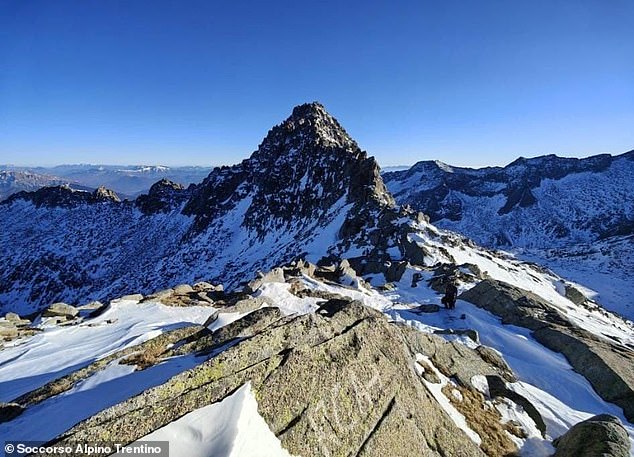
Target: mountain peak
308 126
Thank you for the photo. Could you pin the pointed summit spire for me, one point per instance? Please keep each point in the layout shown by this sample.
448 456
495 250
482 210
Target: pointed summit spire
309 126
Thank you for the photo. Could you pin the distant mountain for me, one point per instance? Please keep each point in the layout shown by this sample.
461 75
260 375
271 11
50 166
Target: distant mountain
12 181
576 215
127 181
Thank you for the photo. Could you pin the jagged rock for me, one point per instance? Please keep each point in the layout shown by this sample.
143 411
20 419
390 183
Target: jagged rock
60 309
607 365
64 196
9 411
105 195
367 399
599 436
163 196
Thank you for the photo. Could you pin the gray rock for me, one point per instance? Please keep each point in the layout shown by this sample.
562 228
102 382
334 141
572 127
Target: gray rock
336 382
574 295
426 309
213 317
183 289
599 436
9 411
61 310
203 286
275 275
132 297
93 305
498 388
608 366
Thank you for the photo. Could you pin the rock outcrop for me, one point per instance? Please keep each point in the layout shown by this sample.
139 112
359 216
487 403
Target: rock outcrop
340 381
608 366
599 436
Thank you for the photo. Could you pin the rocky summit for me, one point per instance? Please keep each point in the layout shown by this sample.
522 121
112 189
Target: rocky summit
287 305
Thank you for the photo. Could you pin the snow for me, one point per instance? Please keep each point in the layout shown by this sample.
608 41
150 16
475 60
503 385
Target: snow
114 384
436 390
232 428
287 302
28 364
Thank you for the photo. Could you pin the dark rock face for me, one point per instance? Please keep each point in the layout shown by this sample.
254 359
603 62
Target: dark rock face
608 366
599 436
163 197
301 170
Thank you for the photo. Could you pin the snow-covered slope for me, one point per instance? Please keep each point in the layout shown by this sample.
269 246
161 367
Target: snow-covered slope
574 215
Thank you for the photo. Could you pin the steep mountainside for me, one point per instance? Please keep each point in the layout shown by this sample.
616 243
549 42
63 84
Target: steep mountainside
576 215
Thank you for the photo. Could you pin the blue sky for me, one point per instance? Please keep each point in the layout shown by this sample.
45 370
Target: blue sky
201 82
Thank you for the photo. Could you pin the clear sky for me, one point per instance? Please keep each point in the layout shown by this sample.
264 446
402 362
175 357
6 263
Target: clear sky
470 82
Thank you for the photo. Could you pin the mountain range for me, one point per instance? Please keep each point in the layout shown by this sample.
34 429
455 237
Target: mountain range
290 305
126 181
573 215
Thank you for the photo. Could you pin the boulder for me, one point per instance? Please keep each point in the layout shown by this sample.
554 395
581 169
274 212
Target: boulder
8 330
275 275
599 436
203 286
426 309
60 309
16 320
183 289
